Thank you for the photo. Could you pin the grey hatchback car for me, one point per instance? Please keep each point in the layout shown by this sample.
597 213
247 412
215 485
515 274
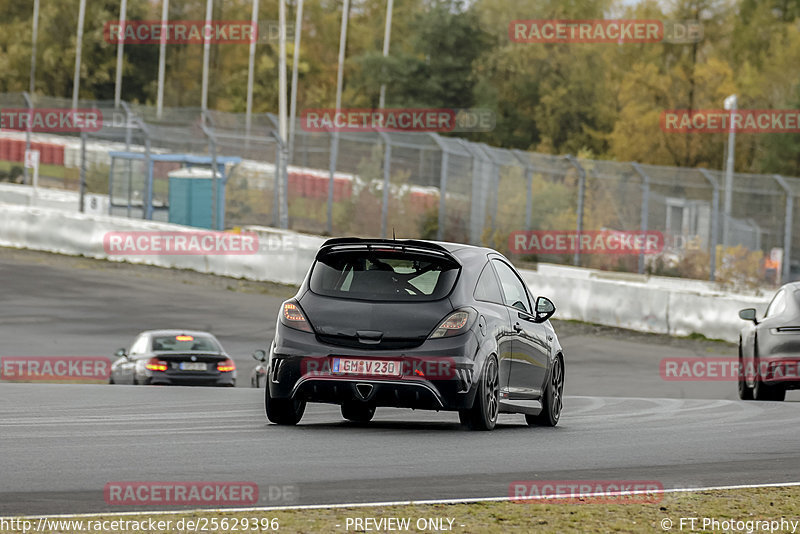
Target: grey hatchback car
414 324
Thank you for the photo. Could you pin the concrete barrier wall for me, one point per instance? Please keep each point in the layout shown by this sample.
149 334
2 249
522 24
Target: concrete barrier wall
645 307
43 197
283 256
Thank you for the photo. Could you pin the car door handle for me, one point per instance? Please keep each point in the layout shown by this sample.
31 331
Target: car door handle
517 327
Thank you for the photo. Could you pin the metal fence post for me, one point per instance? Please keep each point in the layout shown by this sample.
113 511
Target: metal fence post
477 210
147 202
276 183
110 182
332 171
521 156
128 126
495 193
148 198
714 224
442 186
387 172
29 102
283 211
212 147
280 201
273 119
645 206
787 229
82 185
576 259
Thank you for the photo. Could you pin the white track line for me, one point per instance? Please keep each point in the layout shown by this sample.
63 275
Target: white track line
404 503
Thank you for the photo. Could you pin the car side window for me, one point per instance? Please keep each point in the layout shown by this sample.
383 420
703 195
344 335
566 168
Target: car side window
139 346
777 305
488 288
513 289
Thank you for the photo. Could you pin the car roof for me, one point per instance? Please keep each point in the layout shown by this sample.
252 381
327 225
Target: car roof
177 333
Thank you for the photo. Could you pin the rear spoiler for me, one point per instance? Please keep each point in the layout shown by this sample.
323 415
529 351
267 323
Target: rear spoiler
160 353
355 243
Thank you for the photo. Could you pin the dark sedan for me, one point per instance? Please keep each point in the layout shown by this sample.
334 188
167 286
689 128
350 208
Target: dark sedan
769 348
414 324
174 357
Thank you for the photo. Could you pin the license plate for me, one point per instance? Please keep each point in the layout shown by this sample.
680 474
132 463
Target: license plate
193 366
353 366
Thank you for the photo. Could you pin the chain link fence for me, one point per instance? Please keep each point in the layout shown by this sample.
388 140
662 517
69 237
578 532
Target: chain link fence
416 185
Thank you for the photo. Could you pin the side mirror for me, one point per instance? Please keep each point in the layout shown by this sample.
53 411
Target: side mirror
748 314
544 309
121 353
260 355
520 306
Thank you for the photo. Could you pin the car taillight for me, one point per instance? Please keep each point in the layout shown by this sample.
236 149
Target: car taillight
154 364
454 324
293 317
226 366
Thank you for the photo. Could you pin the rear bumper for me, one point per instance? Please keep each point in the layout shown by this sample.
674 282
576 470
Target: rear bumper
440 374
395 393
780 370
187 379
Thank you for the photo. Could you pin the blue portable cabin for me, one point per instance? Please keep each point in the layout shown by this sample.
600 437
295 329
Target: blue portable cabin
134 192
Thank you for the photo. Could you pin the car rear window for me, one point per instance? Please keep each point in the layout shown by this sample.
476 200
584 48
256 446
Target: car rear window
383 275
184 342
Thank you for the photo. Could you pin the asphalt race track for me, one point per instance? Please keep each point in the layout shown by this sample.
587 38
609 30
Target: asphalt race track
62 443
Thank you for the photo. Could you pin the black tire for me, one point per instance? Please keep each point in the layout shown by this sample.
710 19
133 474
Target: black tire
358 412
486 407
745 391
283 411
552 399
764 392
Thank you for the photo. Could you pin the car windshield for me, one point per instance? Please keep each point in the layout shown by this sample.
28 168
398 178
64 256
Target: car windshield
383 275
184 342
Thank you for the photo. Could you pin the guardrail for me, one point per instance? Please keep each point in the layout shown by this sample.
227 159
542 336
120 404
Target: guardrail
284 256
